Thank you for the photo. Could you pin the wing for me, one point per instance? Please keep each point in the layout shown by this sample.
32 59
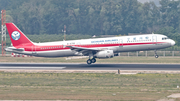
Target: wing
84 51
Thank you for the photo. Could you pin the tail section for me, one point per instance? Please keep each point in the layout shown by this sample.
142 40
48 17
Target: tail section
17 36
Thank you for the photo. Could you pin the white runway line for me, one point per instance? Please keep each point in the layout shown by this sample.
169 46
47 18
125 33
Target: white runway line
32 67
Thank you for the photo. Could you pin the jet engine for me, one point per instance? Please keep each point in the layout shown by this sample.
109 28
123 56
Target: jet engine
105 54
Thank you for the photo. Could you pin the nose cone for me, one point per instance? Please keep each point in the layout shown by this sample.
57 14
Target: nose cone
173 43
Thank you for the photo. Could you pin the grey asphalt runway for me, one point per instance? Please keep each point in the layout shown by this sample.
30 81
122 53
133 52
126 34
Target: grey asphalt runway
72 66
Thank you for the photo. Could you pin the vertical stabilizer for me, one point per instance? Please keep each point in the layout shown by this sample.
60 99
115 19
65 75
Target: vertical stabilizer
17 37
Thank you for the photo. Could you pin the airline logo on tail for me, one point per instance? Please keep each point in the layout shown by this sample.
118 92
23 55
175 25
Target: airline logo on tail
15 35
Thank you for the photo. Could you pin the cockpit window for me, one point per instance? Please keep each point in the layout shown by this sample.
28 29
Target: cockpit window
165 38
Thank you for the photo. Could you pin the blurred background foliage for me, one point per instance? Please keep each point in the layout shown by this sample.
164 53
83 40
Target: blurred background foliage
43 20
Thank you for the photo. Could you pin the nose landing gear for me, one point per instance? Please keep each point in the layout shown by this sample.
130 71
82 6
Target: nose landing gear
156 56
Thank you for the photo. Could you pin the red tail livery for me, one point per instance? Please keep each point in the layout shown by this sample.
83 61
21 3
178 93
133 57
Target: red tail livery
17 36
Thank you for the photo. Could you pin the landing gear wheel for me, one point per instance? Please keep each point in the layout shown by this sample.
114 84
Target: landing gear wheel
156 56
89 61
93 60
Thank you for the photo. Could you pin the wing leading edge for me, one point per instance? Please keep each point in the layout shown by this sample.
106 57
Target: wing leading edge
84 51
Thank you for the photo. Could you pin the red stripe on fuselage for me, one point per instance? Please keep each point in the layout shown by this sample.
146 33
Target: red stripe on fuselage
60 47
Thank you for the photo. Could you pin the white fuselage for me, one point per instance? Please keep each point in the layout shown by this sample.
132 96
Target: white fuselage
117 44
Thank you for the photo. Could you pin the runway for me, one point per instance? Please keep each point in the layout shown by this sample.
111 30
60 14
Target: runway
72 66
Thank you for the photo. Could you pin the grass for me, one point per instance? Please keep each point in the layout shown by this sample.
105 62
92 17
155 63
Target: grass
86 86
76 86
112 60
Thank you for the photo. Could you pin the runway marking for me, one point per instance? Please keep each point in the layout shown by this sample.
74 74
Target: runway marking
84 67
32 67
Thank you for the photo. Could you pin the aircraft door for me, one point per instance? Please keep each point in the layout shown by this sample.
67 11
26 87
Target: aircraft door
34 50
79 44
120 42
154 39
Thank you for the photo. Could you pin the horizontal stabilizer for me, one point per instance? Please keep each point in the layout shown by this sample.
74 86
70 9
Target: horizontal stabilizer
12 49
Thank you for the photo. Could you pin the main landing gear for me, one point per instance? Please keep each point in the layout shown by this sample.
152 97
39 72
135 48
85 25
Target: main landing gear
90 61
156 56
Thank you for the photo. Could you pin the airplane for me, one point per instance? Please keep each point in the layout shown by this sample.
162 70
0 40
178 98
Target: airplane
101 48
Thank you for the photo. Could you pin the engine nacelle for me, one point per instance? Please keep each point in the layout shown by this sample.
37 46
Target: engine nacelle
105 54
